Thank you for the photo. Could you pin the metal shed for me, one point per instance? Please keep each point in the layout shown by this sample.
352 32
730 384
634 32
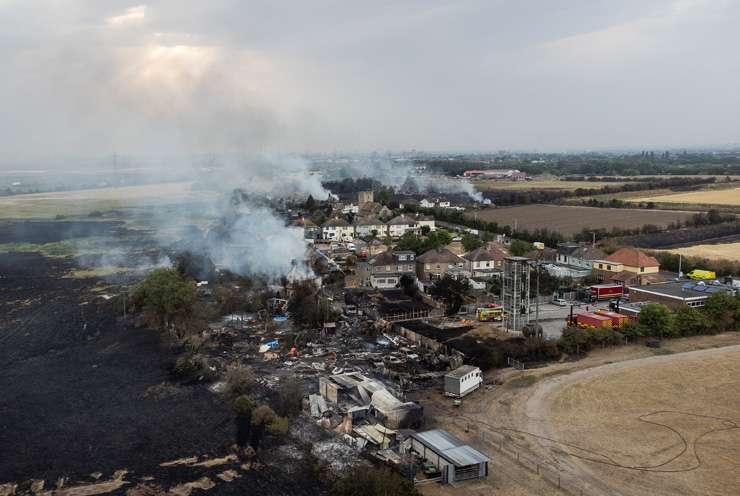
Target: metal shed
455 460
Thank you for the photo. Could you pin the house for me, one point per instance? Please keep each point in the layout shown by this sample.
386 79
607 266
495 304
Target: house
633 260
578 255
434 264
385 269
373 209
426 220
370 226
482 262
309 228
426 203
462 380
350 209
337 228
675 294
400 225
455 460
630 267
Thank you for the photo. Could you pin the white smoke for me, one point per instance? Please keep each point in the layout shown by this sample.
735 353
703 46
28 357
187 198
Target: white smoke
253 240
397 175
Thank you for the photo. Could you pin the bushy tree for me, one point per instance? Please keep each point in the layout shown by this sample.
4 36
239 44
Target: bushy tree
656 320
574 341
471 242
451 291
689 321
723 311
519 248
372 481
169 302
306 307
239 380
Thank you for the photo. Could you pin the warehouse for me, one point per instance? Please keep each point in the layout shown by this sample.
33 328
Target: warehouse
462 380
455 460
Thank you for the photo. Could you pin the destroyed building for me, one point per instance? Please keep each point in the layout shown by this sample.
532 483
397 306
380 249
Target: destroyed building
362 397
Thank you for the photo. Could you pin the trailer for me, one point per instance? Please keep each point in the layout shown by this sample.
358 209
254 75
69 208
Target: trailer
599 292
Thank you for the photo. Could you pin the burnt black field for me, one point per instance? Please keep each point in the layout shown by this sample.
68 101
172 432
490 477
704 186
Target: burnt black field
40 231
75 393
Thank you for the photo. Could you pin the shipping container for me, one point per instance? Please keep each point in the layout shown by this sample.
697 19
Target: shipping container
618 320
593 320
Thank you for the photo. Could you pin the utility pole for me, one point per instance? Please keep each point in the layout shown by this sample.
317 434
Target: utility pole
680 274
593 239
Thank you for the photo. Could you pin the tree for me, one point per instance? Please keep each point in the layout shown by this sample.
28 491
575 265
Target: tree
239 380
471 242
519 248
310 204
656 320
384 197
372 481
451 291
425 230
688 321
574 341
264 419
409 287
723 311
169 302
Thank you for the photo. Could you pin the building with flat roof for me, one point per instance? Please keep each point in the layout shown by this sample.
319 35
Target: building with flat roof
455 460
677 293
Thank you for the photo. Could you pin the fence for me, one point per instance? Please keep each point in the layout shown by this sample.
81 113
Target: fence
505 446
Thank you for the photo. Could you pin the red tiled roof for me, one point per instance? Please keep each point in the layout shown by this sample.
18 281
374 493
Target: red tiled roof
632 257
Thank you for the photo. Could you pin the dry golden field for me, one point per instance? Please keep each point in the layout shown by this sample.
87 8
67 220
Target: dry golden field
663 425
721 251
730 196
539 184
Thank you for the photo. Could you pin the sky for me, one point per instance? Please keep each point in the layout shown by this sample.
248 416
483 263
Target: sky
96 77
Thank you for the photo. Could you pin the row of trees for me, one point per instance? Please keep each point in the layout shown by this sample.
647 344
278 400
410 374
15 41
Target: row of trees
721 313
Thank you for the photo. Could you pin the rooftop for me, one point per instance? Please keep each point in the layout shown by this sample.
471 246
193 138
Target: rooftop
450 447
632 257
439 255
479 255
461 371
682 290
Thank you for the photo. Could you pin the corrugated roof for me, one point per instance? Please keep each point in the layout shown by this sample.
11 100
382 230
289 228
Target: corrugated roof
450 447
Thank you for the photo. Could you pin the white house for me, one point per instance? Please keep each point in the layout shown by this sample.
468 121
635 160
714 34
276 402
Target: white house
364 226
426 203
347 209
400 225
338 229
463 380
426 220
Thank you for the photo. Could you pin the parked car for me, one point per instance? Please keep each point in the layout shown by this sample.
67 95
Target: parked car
559 302
652 343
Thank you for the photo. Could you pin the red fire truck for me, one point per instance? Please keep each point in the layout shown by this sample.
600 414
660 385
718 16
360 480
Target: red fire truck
600 292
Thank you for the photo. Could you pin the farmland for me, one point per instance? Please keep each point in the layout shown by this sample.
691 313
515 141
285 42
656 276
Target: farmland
729 197
572 219
540 184
720 251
